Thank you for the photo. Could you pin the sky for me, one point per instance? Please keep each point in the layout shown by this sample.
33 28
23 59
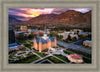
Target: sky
28 13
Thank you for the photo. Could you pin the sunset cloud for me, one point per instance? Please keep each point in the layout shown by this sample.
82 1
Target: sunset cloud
28 13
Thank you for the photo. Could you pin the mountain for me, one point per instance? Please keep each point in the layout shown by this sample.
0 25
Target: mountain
42 19
73 18
12 19
69 18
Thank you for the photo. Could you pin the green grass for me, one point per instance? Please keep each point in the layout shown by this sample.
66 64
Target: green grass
22 42
60 46
41 54
68 52
53 59
26 43
29 54
28 59
23 49
31 59
86 60
63 58
30 46
80 53
10 57
45 50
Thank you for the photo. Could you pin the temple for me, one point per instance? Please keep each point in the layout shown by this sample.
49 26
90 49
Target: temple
44 42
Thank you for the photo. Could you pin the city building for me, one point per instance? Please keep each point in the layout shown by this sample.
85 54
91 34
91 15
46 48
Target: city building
38 32
44 42
11 36
32 30
74 36
75 58
87 43
84 34
67 33
23 28
13 45
17 33
78 31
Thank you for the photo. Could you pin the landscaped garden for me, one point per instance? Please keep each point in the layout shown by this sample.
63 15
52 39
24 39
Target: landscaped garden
63 58
53 59
45 50
40 54
28 59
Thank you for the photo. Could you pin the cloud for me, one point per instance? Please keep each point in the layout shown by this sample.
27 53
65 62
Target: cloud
83 10
27 13
60 10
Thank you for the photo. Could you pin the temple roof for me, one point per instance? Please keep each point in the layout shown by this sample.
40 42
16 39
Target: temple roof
43 41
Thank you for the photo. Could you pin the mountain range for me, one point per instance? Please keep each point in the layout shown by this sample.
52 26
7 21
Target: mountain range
69 18
12 19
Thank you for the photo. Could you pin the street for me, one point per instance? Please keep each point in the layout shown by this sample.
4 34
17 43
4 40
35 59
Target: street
74 46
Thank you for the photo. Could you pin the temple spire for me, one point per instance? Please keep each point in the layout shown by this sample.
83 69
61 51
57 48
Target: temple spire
49 40
34 39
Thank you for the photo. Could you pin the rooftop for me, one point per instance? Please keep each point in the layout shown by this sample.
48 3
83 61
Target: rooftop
83 33
88 41
75 56
43 41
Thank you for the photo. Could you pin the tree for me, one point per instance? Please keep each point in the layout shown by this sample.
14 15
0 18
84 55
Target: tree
60 36
74 39
21 37
69 37
41 34
31 36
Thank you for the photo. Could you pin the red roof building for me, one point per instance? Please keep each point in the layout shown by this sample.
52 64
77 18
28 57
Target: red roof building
75 58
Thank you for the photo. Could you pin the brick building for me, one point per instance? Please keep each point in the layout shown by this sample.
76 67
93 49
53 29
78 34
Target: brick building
44 42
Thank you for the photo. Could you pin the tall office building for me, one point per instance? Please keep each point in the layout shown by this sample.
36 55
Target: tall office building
11 36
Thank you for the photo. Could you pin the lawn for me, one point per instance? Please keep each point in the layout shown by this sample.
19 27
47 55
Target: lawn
26 43
63 58
68 52
87 60
80 53
22 42
23 49
31 59
28 59
60 46
29 54
40 54
53 59
10 57
45 50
